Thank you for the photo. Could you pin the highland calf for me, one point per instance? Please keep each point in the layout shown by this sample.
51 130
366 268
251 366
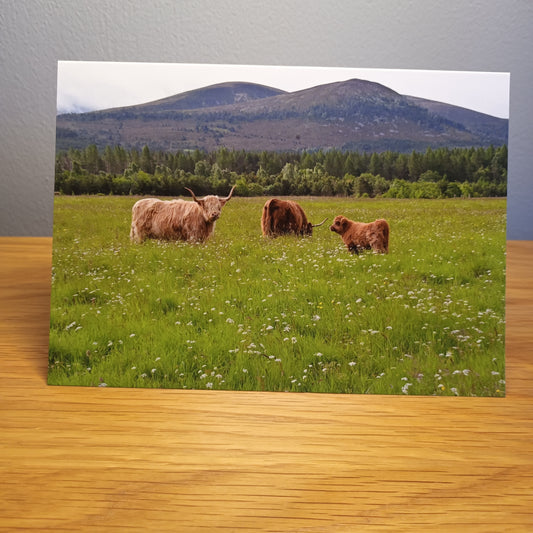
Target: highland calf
360 236
176 220
281 217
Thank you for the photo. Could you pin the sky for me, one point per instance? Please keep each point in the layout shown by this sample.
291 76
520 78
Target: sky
91 85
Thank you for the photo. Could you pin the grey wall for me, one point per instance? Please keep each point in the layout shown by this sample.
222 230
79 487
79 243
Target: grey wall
480 35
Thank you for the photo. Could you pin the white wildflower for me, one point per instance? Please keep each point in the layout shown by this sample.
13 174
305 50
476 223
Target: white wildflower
405 388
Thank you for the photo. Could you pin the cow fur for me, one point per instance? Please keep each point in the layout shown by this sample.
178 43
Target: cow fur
281 217
361 236
176 220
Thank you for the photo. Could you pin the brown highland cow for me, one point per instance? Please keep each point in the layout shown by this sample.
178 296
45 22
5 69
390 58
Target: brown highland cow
285 216
360 236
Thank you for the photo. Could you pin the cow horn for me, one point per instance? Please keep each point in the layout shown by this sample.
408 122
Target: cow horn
229 195
193 196
316 225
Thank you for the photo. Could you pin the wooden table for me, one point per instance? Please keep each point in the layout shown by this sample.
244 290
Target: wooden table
97 459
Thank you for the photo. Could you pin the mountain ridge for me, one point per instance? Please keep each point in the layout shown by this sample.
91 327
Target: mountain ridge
348 115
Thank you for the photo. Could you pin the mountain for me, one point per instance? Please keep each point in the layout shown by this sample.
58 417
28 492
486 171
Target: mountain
478 123
349 115
212 96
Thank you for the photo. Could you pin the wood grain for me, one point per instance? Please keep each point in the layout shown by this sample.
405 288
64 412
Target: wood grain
97 459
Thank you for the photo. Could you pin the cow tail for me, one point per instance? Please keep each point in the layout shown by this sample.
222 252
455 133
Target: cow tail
271 209
267 220
386 231
266 223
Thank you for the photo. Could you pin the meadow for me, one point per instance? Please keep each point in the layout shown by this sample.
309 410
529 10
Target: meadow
241 312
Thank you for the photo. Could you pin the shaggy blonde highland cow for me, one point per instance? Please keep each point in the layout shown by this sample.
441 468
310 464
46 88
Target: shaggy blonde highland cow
176 220
360 236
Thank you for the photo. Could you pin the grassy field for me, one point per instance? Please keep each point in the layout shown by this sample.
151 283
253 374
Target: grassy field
242 312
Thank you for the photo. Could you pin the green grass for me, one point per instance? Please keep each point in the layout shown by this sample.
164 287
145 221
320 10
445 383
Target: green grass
242 312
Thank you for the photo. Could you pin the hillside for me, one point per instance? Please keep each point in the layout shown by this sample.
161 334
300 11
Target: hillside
479 123
349 115
212 96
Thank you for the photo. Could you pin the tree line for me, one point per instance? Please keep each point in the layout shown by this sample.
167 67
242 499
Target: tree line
435 173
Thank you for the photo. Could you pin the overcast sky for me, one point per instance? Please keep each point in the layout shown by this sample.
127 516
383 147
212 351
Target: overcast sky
88 86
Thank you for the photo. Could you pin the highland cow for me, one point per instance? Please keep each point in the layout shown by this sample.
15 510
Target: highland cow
175 220
360 236
281 217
